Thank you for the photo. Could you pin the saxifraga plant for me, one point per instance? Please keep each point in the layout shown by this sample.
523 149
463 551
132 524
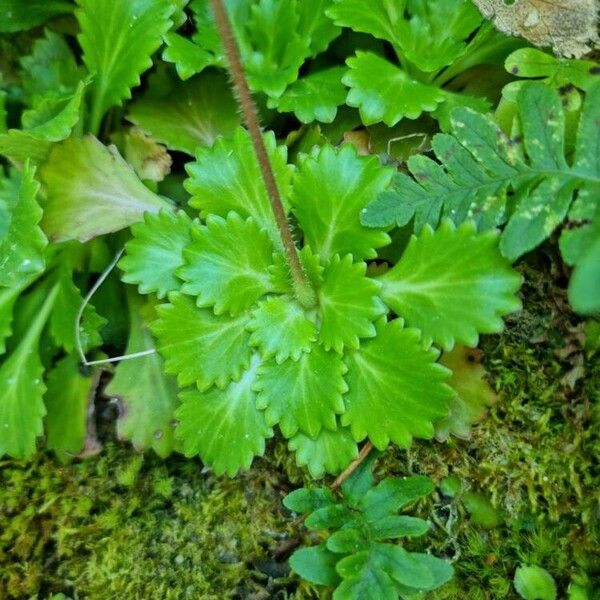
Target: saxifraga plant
313 339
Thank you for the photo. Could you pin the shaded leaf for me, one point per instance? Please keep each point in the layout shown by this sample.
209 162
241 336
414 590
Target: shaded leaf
316 564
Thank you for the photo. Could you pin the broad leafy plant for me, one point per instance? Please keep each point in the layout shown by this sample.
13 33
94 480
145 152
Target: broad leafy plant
358 557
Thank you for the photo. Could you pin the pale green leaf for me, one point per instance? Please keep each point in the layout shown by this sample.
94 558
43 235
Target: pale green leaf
438 287
314 97
309 499
188 114
8 297
349 304
302 395
584 287
331 188
118 39
18 15
91 190
395 387
200 347
22 242
68 399
534 583
156 252
281 329
331 452
21 404
363 577
147 396
224 426
227 264
316 564
384 92
20 146
315 24
227 177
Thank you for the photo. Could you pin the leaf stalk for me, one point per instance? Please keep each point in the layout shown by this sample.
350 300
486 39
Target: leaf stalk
302 288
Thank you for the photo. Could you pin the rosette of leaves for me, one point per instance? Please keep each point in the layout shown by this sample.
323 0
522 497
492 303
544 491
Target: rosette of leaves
527 182
356 359
358 557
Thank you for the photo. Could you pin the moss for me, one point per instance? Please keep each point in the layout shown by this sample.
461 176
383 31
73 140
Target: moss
131 526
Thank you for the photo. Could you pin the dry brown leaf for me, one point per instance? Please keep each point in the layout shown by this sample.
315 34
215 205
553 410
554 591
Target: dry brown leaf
570 27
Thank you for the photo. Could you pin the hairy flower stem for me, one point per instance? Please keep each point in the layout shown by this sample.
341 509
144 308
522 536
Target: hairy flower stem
302 288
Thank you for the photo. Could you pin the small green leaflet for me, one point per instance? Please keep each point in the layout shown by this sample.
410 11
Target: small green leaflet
188 114
147 396
200 347
314 97
349 304
438 287
227 264
21 406
281 329
188 57
224 426
118 39
156 252
22 242
331 451
227 177
18 15
91 190
389 378
330 189
384 92
304 394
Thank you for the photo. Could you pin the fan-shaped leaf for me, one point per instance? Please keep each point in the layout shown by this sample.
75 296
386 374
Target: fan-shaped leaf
438 287
200 347
395 387
331 187
224 426
227 264
303 394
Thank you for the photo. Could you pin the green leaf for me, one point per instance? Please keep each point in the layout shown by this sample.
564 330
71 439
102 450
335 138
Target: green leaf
331 188
22 242
395 387
91 190
308 499
66 309
440 571
438 287
223 426
303 394
227 264
118 40
8 297
50 69
363 577
67 401
316 564
227 177
395 526
21 405
556 72
362 480
187 56
156 252
534 583
188 114
328 517
384 92
200 347
314 97
331 452
349 304
272 48
346 541
20 146
393 494
18 15
314 24
281 329
148 397
584 287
